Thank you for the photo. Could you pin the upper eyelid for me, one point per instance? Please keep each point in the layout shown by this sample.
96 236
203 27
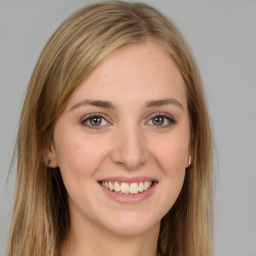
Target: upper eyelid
83 121
108 119
161 114
96 114
170 119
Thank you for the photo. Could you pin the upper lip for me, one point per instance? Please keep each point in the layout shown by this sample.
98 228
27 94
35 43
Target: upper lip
128 179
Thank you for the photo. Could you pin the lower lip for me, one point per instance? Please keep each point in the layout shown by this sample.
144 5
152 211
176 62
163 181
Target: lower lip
129 199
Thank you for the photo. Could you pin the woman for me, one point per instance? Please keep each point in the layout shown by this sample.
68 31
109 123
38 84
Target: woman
114 146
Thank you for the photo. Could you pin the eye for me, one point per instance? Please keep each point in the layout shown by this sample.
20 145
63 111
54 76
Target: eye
94 121
162 120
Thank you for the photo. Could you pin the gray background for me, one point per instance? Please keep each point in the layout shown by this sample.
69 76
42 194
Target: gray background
222 35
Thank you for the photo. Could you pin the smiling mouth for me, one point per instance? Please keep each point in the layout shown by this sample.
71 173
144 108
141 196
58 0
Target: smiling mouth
124 188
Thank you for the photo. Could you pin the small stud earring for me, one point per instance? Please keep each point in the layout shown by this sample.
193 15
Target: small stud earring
189 160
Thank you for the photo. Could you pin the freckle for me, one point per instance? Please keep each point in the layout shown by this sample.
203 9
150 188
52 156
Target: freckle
77 146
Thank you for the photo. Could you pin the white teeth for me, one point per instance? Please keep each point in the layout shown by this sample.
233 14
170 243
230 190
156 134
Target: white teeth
105 184
110 185
125 188
134 188
145 185
141 187
117 187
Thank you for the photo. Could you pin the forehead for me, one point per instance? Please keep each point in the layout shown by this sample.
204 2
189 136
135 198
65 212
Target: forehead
133 73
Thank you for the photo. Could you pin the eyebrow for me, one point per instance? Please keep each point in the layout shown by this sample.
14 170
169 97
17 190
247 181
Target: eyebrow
162 102
96 103
109 105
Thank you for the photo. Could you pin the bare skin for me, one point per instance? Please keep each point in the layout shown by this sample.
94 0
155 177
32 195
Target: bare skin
126 123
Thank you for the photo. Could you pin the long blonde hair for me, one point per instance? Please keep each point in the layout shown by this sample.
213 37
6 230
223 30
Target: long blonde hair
40 220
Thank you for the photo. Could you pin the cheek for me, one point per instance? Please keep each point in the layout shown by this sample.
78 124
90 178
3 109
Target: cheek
172 160
172 154
78 157
172 183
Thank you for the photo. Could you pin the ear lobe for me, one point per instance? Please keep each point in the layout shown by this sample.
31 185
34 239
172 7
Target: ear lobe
190 156
50 158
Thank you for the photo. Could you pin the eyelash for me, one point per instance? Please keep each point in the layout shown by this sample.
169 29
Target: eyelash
91 116
169 118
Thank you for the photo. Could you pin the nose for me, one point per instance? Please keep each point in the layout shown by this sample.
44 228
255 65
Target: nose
129 148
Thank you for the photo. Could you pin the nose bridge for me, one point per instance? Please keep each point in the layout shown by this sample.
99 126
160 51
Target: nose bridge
129 149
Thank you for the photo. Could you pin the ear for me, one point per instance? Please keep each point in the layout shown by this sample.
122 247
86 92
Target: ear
49 157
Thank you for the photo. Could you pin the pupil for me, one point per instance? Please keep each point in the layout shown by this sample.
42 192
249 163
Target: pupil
95 121
158 120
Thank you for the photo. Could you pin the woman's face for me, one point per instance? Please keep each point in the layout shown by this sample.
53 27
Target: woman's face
122 143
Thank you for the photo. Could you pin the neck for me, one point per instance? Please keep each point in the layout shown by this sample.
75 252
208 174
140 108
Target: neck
94 241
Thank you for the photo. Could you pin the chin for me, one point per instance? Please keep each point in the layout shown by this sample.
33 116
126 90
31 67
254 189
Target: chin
132 224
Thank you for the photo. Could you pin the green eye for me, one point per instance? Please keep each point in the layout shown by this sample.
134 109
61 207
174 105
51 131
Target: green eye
95 121
162 120
158 120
